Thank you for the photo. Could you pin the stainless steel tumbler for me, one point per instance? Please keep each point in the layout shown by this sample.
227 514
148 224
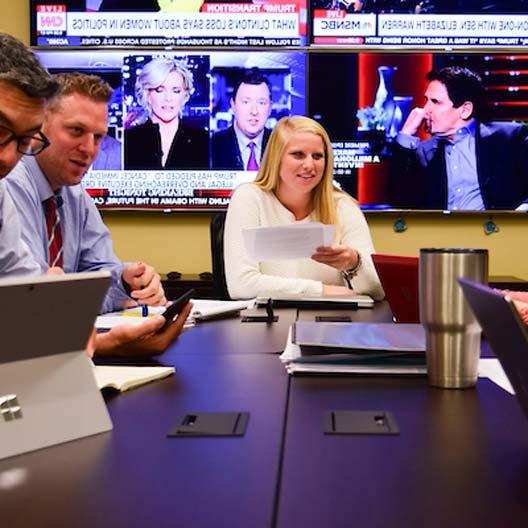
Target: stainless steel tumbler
452 332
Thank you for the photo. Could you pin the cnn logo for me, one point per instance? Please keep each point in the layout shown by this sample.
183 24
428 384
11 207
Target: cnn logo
51 21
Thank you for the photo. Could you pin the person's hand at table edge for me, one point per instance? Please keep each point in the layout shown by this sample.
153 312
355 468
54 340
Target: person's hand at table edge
149 338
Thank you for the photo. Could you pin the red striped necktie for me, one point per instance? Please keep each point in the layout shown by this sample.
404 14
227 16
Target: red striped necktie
54 232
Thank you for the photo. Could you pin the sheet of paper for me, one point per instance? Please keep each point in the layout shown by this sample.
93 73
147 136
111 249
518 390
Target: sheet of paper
202 309
128 316
111 320
287 242
491 368
209 308
295 368
291 350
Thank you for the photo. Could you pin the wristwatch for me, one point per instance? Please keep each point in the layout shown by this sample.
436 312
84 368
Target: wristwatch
348 275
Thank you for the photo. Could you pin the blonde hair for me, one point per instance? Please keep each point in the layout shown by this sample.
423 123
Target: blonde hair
154 74
324 199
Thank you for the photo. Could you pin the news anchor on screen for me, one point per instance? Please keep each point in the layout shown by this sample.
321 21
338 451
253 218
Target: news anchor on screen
164 140
466 164
241 146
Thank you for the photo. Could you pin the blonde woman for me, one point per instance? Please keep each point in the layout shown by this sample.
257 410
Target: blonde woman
295 185
164 140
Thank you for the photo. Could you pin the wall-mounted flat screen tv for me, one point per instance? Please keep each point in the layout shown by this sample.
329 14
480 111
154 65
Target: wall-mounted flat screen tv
420 23
168 23
170 147
443 159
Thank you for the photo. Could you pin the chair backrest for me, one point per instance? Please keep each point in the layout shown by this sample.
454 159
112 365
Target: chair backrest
217 255
399 278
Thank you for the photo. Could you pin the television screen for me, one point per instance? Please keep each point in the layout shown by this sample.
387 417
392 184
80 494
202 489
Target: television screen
420 23
364 99
177 129
168 23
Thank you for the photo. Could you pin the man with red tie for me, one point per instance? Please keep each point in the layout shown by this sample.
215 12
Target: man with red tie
59 221
240 146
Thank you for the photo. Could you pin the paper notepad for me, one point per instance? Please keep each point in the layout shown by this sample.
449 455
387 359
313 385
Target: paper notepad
287 242
126 378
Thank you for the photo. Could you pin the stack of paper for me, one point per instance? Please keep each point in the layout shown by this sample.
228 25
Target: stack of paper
203 309
367 348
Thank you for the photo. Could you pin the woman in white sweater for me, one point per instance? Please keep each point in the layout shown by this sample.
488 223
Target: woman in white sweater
295 185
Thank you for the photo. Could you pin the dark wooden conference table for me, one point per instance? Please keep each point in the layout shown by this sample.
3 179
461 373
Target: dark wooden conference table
461 458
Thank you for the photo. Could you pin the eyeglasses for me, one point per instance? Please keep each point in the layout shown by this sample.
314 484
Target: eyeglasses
27 145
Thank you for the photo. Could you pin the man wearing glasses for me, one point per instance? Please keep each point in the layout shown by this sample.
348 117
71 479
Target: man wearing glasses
25 87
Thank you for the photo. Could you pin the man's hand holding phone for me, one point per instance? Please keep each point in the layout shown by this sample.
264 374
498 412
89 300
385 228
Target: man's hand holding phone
177 306
149 338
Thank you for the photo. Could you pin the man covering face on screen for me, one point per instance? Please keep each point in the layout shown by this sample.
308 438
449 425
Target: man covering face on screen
240 147
466 164
53 206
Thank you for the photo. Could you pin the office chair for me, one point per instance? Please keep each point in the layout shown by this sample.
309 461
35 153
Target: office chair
217 254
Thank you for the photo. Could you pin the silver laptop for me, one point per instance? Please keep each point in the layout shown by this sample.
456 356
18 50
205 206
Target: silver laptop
48 393
504 330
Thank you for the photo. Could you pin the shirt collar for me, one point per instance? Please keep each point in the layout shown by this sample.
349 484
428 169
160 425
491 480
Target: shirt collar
41 182
244 141
467 130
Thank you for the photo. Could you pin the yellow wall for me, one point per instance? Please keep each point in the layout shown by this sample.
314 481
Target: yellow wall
180 241
14 18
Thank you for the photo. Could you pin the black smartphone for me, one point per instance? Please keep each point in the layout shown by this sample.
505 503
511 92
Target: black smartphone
177 305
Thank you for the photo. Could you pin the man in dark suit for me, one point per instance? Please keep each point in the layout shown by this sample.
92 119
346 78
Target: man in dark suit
466 164
240 147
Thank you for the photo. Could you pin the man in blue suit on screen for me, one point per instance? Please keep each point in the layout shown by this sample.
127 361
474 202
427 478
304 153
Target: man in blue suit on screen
466 164
240 147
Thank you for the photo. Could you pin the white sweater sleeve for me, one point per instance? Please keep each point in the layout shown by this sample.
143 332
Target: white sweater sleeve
356 234
244 278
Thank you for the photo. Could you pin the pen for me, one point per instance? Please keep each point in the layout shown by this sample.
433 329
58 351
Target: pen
144 307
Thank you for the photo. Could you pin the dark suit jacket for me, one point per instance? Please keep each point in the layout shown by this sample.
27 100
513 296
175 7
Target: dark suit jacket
418 178
226 153
189 149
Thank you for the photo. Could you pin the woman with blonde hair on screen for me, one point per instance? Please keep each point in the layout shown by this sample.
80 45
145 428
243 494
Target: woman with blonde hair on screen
163 139
295 185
